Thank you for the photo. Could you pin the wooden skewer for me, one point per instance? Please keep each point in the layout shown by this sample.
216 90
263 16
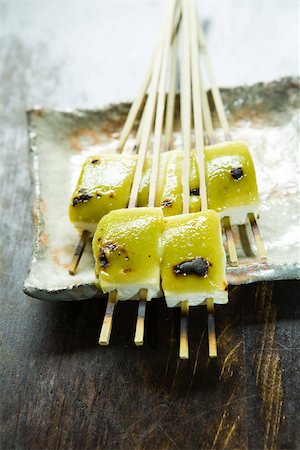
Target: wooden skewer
207 120
214 87
226 221
177 21
185 106
199 138
135 108
171 98
184 340
140 323
212 342
139 133
124 135
78 252
140 98
185 114
197 101
230 242
149 110
132 115
160 109
224 124
149 116
158 74
107 322
258 238
139 335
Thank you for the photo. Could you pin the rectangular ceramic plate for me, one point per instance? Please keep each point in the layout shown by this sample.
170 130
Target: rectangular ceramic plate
263 115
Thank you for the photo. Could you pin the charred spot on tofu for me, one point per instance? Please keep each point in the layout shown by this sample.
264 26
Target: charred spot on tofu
198 266
108 248
103 259
237 173
111 246
94 161
82 198
195 191
166 203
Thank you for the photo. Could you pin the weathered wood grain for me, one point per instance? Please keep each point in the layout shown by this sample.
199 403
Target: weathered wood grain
63 391
59 390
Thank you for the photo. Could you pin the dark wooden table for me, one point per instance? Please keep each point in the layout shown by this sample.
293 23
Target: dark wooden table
58 388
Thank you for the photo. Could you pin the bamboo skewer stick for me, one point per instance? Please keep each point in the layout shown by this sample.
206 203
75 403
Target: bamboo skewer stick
230 242
184 340
140 98
140 323
185 114
158 80
185 107
149 116
107 321
160 108
197 102
78 252
157 106
171 98
258 238
214 87
199 138
139 133
148 120
124 135
226 222
132 115
225 126
135 107
134 191
212 342
149 111
207 120
177 21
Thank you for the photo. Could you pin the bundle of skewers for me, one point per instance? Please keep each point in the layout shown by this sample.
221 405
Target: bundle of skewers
161 217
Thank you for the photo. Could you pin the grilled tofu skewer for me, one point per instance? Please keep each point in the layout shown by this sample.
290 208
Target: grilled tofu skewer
219 105
158 127
131 118
199 141
185 114
193 262
155 103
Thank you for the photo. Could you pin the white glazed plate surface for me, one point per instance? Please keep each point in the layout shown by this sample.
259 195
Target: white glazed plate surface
266 116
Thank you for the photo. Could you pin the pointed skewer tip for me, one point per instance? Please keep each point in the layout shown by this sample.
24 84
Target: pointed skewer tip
258 239
212 342
105 333
72 269
140 321
184 343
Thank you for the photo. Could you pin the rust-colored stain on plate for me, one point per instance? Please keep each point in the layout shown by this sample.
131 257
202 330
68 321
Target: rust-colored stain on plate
83 138
62 256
